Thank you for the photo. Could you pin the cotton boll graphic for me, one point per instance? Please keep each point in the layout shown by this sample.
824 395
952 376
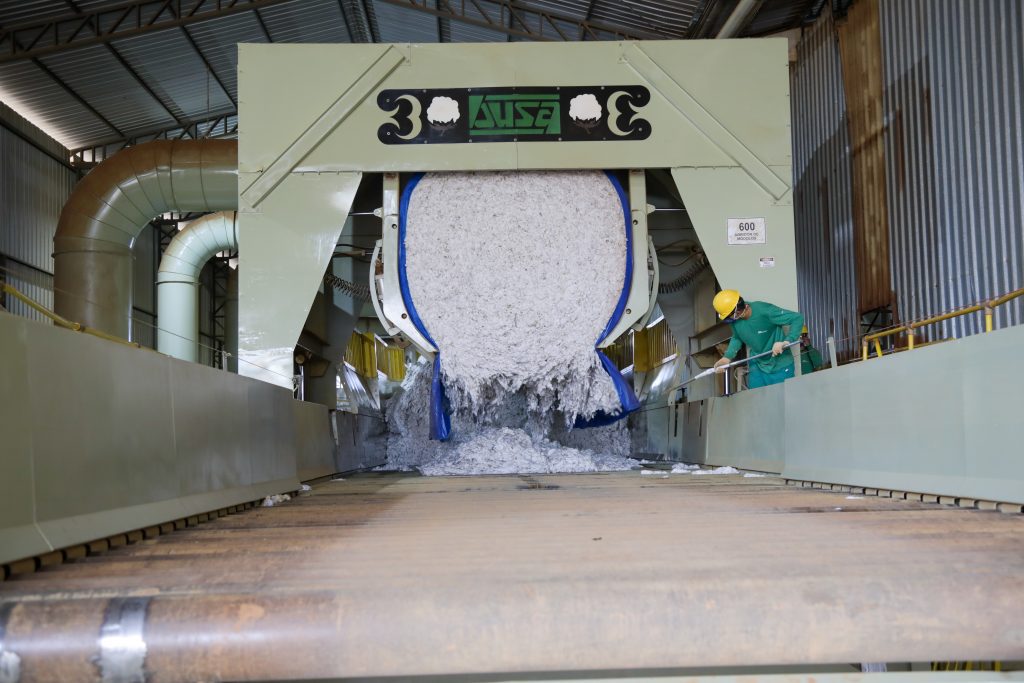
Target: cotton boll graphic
443 113
585 111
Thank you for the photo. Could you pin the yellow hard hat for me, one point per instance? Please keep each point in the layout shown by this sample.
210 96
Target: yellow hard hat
725 302
804 331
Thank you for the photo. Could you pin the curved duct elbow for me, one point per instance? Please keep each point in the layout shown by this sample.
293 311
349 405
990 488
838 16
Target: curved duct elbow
177 280
113 203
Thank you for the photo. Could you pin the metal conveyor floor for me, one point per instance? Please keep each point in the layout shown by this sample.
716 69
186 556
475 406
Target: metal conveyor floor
390 574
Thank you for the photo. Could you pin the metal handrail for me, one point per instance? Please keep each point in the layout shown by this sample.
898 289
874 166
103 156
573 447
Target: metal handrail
63 322
986 306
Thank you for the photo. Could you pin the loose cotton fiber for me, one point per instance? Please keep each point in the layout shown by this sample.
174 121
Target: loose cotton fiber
515 276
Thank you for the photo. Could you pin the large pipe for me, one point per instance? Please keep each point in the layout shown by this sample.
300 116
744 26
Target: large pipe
740 17
109 208
177 281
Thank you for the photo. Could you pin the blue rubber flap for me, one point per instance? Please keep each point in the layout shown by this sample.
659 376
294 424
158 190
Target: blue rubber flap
440 414
627 398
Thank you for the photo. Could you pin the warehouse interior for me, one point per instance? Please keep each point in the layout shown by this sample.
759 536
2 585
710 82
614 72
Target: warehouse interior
383 340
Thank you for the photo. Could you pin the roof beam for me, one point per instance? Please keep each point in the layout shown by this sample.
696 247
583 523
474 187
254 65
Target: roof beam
586 18
444 26
357 22
132 72
209 67
125 20
525 19
218 126
75 96
371 20
263 26
344 20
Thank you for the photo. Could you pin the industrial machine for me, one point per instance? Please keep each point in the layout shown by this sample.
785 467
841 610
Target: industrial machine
842 559
381 110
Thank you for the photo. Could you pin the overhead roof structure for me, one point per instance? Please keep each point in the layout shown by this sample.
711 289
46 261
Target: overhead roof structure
98 75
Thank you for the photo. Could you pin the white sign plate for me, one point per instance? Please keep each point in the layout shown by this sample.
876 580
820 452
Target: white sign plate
747 231
767 261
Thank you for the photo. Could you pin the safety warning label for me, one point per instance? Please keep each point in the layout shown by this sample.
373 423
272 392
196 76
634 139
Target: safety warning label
746 231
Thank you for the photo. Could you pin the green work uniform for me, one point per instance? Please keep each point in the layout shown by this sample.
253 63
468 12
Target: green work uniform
760 331
810 360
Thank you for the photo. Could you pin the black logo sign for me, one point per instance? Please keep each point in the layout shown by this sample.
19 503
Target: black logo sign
548 114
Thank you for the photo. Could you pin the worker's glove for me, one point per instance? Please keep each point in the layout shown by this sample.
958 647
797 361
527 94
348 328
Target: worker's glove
721 363
778 347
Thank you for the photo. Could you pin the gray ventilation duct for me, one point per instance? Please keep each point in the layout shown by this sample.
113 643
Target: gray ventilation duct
109 208
177 296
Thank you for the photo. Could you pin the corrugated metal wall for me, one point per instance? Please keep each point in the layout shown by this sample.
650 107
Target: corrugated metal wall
953 81
823 192
34 186
954 75
33 189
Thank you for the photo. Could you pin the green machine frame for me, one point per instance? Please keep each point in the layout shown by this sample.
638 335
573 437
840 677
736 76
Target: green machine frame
715 113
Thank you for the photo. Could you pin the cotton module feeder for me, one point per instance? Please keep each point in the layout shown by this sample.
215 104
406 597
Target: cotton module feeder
528 261
409 114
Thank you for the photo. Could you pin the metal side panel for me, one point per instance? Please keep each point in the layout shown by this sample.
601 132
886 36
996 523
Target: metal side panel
214 447
101 429
315 446
284 249
101 438
362 441
712 103
18 533
746 429
272 433
713 196
942 420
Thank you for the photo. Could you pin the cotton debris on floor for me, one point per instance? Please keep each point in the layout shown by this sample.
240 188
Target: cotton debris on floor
718 470
511 441
276 499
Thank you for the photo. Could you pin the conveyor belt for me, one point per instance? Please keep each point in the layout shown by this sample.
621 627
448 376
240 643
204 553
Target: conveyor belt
393 575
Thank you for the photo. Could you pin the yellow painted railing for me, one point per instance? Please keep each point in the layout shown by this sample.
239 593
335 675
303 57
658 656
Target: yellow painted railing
874 340
62 322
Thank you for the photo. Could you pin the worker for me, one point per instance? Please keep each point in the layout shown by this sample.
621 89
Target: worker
810 358
759 325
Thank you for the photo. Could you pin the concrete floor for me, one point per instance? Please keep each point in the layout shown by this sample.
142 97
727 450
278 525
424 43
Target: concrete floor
391 574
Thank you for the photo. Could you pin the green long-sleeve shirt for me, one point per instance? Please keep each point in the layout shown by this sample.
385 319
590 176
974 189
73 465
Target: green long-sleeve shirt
810 360
761 330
